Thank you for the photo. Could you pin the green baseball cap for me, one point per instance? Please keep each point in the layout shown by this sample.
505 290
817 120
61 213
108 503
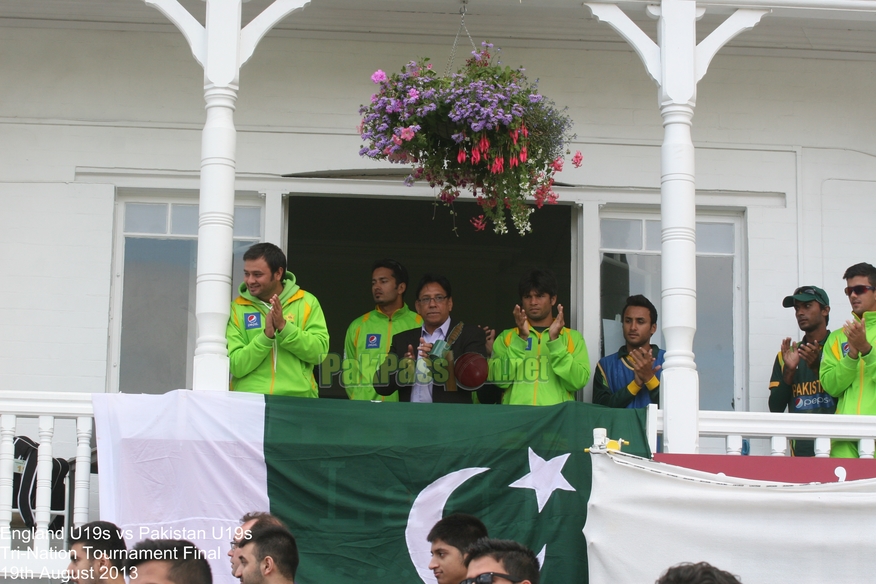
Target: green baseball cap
806 294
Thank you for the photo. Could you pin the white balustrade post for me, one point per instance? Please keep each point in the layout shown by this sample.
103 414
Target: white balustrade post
822 448
43 511
866 446
734 445
7 453
778 446
82 486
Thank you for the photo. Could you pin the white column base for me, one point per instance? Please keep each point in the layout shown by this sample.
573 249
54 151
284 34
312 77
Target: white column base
211 373
679 400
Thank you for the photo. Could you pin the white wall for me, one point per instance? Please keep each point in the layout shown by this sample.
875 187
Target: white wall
57 246
787 142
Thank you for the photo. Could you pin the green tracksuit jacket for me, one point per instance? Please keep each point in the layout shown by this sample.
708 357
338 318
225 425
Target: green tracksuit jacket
538 371
366 345
851 381
282 365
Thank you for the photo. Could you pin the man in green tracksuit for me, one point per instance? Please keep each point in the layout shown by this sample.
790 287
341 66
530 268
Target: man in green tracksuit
848 365
276 333
540 362
369 336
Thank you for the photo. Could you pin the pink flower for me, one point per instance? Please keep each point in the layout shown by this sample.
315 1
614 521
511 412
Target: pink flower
557 164
514 136
523 154
396 140
378 76
359 127
413 93
479 222
512 162
407 134
460 158
475 155
577 159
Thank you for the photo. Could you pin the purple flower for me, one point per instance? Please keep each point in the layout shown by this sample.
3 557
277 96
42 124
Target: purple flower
535 98
413 93
378 76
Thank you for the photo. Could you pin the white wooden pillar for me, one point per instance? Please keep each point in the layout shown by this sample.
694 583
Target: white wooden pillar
677 64
221 47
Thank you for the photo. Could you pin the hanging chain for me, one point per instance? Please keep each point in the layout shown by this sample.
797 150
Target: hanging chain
462 27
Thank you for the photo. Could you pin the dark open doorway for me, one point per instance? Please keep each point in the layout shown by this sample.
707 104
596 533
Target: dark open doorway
333 241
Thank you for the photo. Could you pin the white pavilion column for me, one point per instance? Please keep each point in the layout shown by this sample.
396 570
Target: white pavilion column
221 47
679 393
676 63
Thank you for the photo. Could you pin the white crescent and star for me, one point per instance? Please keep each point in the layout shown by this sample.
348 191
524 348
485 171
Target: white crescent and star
544 477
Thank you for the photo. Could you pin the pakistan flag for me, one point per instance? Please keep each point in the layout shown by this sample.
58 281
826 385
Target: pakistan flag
360 484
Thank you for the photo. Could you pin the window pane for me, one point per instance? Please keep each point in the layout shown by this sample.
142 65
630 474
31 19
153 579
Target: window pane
713 343
145 218
653 236
184 219
621 234
624 275
158 315
715 238
247 221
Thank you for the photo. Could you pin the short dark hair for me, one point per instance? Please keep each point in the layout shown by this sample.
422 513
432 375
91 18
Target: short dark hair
188 564
261 516
434 279
399 272
279 544
542 281
104 537
701 573
519 561
273 255
459 530
641 301
862 269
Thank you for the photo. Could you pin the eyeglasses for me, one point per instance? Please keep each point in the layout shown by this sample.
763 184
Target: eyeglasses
858 290
487 578
805 290
428 299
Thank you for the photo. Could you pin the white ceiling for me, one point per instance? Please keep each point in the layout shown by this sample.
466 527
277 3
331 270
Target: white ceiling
504 22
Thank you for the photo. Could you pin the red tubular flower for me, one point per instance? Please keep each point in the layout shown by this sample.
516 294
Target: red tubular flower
525 132
512 162
475 156
479 222
513 136
524 156
460 158
484 144
577 159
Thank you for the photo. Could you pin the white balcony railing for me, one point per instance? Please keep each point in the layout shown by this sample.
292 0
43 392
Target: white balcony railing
42 552
777 428
46 408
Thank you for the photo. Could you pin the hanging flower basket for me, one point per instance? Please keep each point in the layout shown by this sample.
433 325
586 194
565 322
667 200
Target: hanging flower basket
485 129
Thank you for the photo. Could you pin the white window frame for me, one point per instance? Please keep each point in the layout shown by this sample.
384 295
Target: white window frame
740 284
151 196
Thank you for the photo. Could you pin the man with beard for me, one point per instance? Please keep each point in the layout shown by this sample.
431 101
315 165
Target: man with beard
277 332
794 384
97 554
630 378
244 532
270 556
369 336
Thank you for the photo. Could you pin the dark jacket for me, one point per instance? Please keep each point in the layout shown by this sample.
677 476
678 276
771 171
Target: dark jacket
471 340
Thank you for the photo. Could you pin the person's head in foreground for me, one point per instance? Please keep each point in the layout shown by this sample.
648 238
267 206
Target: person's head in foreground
449 538
500 561
97 554
701 573
168 561
270 556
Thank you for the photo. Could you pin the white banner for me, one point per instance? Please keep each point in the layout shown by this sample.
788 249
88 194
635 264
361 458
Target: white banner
645 516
